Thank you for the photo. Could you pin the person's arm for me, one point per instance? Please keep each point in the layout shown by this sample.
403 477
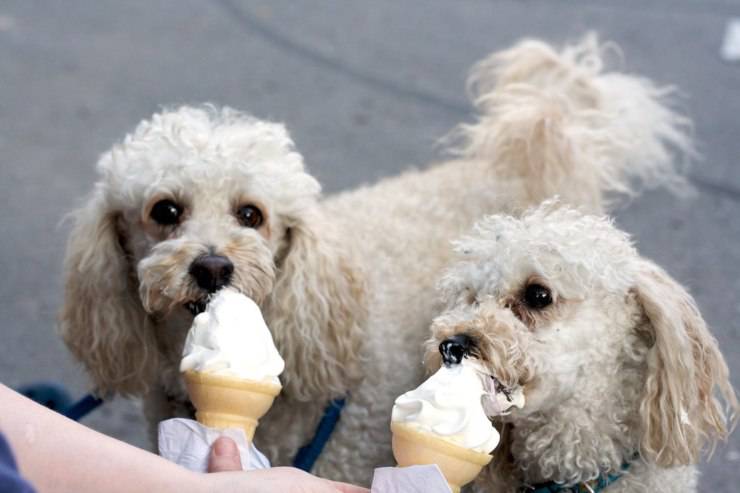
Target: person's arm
58 455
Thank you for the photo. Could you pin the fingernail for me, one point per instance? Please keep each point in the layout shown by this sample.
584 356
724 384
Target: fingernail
224 447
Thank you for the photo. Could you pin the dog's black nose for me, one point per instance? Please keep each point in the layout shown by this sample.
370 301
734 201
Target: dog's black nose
455 348
212 272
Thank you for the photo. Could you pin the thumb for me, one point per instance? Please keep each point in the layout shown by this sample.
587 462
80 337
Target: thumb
224 456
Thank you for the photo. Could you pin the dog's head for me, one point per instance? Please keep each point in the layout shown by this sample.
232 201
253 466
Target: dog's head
560 304
193 200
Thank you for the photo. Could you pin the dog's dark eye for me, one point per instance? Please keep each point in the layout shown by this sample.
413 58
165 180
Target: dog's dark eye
537 296
166 212
249 216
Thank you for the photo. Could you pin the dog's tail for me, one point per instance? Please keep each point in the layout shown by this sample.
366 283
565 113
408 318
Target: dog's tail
564 126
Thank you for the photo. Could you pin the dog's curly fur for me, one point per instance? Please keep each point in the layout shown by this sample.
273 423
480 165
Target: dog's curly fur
620 364
346 284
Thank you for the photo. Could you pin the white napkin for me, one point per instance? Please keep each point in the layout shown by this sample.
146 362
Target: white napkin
412 479
188 443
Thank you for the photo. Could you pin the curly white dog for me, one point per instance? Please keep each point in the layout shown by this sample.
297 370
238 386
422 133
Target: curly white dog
199 198
618 368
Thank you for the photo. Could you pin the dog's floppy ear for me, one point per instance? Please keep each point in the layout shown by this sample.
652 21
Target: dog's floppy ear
102 321
316 310
680 411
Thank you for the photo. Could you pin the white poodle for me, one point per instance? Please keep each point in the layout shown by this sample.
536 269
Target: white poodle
619 371
199 198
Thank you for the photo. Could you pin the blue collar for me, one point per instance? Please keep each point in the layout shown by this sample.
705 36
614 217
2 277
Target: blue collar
307 455
592 486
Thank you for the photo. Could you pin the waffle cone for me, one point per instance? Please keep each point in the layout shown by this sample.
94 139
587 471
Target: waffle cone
230 402
458 464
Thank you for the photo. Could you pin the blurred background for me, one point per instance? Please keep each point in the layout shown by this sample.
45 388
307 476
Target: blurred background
366 88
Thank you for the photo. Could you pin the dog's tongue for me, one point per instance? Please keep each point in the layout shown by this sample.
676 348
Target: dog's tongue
496 401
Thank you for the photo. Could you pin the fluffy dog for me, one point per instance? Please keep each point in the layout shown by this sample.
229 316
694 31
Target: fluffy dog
199 198
618 368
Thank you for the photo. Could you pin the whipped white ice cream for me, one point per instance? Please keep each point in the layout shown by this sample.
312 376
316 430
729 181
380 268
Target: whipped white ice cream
231 338
448 404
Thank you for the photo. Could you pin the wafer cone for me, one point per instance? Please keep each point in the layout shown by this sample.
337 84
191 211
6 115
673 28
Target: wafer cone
230 402
458 464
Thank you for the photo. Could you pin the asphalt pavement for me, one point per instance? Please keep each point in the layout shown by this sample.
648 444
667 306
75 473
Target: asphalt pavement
367 89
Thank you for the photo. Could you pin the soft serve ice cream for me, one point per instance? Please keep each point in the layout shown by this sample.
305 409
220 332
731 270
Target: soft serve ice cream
448 405
230 364
230 338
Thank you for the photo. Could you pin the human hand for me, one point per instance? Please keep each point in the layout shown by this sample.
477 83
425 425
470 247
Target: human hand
225 458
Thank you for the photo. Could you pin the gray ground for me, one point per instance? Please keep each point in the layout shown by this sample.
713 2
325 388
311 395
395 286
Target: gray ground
366 89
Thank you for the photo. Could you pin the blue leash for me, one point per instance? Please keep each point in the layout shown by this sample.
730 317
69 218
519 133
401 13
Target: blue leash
56 398
83 407
307 455
304 459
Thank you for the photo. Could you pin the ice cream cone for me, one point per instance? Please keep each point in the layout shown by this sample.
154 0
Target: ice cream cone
458 464
230 402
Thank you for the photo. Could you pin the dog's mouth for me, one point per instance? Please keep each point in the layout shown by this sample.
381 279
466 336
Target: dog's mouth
498 398
500 388
501 399
196 307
